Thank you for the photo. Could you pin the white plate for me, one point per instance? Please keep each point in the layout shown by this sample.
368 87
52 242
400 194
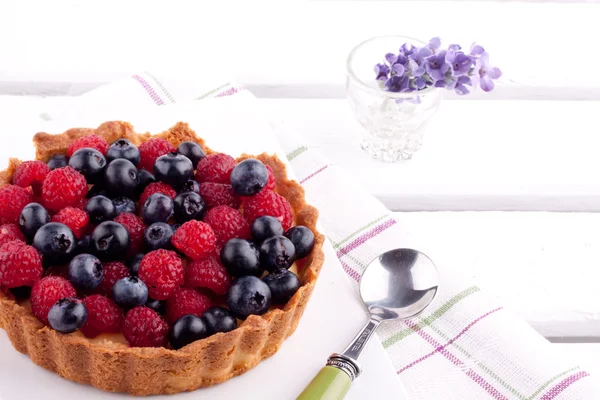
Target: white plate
333 315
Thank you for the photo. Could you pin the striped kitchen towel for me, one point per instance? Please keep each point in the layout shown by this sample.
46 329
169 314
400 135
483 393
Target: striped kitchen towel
465 346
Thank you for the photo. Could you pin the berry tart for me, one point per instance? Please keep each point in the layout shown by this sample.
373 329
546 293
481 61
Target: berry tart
151 264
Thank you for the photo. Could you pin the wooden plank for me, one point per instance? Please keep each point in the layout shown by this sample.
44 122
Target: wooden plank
494 155
542 157
283 48
542 266
508 91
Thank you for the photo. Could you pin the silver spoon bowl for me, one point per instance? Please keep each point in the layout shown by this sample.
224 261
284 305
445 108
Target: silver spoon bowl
398 284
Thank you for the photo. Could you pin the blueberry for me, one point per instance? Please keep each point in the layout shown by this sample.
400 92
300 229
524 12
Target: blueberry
191 150
174 227
124 204
157 208
100 209
56 242
249 177
240 257
265 227
58 161
96 190
144 179
218 319
303 240
130 292
110 241
174 169
190 186
283 285
84 245
123 148
89 162
186 330
277 252
67 315
85 272
157 305
33 217
248 295
134 263
158 236
188 206
121 178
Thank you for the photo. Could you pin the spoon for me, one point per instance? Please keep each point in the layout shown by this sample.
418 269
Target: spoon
398 284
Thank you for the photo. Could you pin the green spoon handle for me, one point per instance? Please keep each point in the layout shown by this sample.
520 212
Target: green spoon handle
330 384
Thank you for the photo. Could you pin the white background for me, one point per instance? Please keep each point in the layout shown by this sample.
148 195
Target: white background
529 146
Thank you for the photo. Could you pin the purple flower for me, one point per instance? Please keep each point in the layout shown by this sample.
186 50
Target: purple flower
461 88
437 66
485 74
419 83
461 63
382 71
398 69
407 49
476 50
415 69
450 82
421 54
397 83
434 44
392 59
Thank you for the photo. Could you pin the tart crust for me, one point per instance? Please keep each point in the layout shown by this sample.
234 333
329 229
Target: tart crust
115 367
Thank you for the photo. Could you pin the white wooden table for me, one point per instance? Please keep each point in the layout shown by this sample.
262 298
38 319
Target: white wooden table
509 180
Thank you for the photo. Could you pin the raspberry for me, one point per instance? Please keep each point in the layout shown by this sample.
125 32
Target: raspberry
162 271
143 327
48 291
271 181
63 187
12 200
113 271
227 223
31 173
270 203
81 203
74 218
104 316
151 150
91 141
186 301
215 168
135 227
219 194
195 239
20 264
156 187
10 232
208 273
